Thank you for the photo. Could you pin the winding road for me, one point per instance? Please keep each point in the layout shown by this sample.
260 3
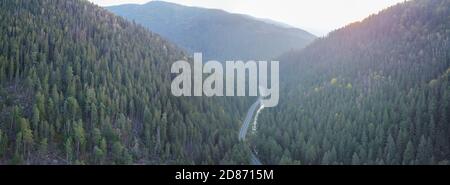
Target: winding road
244 128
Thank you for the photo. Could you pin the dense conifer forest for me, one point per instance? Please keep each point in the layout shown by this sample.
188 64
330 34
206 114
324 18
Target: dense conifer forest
80 85
373 92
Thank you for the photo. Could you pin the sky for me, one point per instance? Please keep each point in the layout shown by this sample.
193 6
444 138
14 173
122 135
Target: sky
316 16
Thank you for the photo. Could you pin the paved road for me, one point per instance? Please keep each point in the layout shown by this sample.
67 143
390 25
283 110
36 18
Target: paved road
244 128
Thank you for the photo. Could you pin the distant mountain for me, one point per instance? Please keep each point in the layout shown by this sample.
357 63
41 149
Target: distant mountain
269 21
373 92
218 34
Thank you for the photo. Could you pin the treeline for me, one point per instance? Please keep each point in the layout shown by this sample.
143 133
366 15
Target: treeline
82 86
374 92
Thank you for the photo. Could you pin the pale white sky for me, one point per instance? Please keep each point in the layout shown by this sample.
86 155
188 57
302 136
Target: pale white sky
316 16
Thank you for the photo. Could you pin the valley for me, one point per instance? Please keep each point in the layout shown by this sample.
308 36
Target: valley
82 84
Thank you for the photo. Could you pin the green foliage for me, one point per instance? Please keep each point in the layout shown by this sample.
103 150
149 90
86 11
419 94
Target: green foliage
394 106
80 85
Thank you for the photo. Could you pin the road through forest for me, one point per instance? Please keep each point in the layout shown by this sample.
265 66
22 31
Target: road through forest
244 128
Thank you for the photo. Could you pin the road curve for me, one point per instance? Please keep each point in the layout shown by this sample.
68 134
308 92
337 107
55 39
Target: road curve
244 128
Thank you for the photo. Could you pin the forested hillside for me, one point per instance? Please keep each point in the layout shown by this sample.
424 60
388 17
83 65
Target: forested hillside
219 35
373 92
82 86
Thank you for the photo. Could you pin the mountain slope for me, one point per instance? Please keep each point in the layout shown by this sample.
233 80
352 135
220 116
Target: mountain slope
81 85
218 34
373 92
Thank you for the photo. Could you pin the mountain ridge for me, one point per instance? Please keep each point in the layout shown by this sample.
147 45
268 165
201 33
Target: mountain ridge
218 34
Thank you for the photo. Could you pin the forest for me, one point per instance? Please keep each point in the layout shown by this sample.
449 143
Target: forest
373 92
80 85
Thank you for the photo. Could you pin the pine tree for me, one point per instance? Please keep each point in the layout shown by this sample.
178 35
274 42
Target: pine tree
355 159
35 120
43 148
98 155
3 143
79 137
423 156
27 136
408 155
68 150
391 151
